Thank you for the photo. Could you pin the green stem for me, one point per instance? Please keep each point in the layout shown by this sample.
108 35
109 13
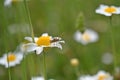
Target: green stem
24 69
44 66
113 43
29 19
77 71
9 71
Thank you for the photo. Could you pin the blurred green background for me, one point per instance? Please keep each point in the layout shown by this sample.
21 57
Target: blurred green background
58 18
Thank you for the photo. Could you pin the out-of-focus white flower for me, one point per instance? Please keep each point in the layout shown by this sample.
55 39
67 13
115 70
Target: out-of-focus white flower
86 37
86 77
37 78
43 41
9 2
11 59
107 58
108 10
102 75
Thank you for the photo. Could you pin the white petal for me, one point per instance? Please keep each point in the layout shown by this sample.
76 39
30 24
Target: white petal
37 78
30 47
30 39
45 34
39 50
56 44
77 36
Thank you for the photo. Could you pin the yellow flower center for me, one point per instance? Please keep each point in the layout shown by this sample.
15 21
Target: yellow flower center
43 41
11 58
86 37
102 77
110 9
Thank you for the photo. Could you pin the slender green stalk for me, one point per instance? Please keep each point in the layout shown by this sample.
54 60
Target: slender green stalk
77 71
24 69
29 19
9 71
44 66
113 43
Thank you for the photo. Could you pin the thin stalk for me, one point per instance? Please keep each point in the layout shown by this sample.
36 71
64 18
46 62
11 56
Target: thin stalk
24 69
44 66
77 71
29 19
9 71
113 43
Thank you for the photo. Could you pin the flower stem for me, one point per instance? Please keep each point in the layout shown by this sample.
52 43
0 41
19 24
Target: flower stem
9 72
29 19
77 71
44 66
113 43
24 69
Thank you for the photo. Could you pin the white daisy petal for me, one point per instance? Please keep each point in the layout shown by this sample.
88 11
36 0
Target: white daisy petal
56 44
104 75
77 36
45 34
30 47
39 50
37 78
30 39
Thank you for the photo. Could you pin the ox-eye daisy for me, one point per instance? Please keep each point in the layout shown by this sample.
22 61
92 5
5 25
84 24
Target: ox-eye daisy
108 10
86 37
11 59
102 75
43 41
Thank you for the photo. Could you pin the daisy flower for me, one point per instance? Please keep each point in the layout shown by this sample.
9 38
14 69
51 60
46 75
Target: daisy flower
43 41
11 59
108 10
102 75
86 37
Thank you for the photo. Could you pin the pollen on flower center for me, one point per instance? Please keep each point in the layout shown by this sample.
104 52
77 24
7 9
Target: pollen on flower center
102 77
43 41
11 57
86 37
110 9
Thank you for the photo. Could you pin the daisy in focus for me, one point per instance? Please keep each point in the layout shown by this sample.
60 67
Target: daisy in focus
108 10
86 37
102 75
11 59
43 41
